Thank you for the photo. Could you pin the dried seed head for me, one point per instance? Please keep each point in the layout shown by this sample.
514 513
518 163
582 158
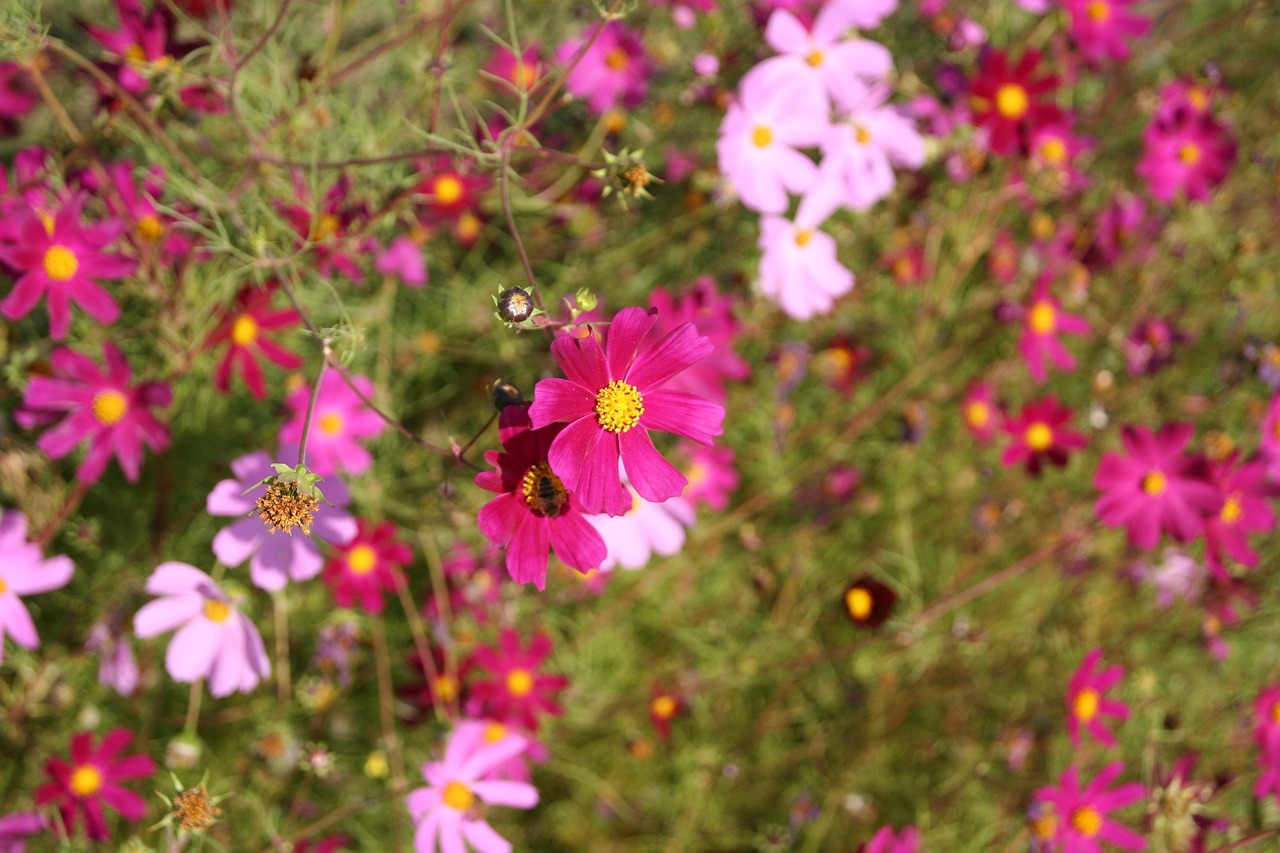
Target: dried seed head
283 507
194 810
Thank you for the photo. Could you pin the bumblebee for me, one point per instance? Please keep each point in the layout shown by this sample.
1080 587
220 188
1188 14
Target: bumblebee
543 491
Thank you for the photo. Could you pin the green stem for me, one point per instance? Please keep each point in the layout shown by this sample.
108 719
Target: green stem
311 407
193 707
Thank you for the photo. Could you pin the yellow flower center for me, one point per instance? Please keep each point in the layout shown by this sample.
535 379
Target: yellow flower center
1085 706
1039 437
524 75
861 134
1098 11
617 59
1012 101
697 474
1232 510
448 189
803 236
1054 151
216 611
519 682
362 559
446 688
978 414
1042 225
814 58
47 220
1044 827
324 227
663 707
331 424
1154 483
494 732
86 781
1044 319
109 407
244 331
458 796
150 228
761 137
1198 98
543 491
135 54
3 588
1086 821
619 406
1275 712
858 601
1189 154
468 227
60 263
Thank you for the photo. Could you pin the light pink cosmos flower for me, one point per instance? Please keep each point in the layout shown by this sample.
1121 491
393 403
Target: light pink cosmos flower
613 71
1044 322
61 259
1082 823
445 812
24 571
863 14
339 419
612 399
214 640
798 268
1102 29
647 528
118 668
775 113
100 407
277 558
1085 703
862 147
821 58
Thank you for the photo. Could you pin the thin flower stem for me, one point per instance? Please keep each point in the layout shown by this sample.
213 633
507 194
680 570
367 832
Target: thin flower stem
280 611
321 824
193 707
462 451
311 407
421 645
504 190
386 711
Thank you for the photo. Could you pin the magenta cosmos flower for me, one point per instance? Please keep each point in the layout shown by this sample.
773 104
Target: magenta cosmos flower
24 571
889 841
339 420
241 330
1246 508
1155 486
1040 434
613 71
534 512
980 411
364 567
1009 102
711 313
1044 322
17 828
102 408
518 694
448 812
1102 29
1192 156
1081 821
1085 703
612 400
275 558
60 259
92 779
1266 734
214 640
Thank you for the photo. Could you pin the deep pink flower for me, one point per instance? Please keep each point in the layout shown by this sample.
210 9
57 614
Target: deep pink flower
60 259
241 330
449 191
17 828
612 400
1040 434
1082 822
448 813
1155 486
712 476
24 571
1246 508
213 639
798 265
17 96
1053 150
534 512
1103 29
324 228
403 259
1191 157
1266 734
1269 445
711 313
1009 102
980 412
523 72
1086 704
135 202
101 407
1123 226
1044 322
92 779
518 694
886 840
614 70
339 419
1149 346
142 47
365 566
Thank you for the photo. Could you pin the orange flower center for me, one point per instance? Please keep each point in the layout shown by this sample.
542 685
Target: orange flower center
325 227
663 707
60 263
1275 712
1232 510
861 134
519 682
448 189
362 559
761 137
1198 98
446 687
1086 821
1098 11
86 781
1085 706
619 406
331 424
216 611
1012 101
1054 151
494 732
814 58
1044 827
458 796
1154 483
244 331
3 588
1039 437
150 228
109 407
1043 318
978 414
803 236
1189 154
617 59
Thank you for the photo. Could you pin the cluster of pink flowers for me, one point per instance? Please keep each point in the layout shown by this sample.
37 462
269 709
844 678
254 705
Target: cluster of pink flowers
1186 149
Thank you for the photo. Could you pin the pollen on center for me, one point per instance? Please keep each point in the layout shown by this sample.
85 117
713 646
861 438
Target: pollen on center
858 601
362 559
448 189
1098 11
619 406
1154 483
814 58
519 682
1086 821
1054 151
216 611
978 414
1043 318
86 780
761 136
1039 437
60 263
108 407
1012 101
331 423
458 796
150 228
245 330
663 707
1189 154
1085 706
617 59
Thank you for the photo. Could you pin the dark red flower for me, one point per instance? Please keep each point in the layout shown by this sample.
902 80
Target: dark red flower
241 329
1009 102
91 780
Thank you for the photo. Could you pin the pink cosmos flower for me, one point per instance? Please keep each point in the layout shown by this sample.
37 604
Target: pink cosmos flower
862 148
864 14
1269 445
365 566
1040 434
339 419
533 512
142 47
1149 346
1246 508
1155 486
647 528
118 668
886 840
1176 575
711 313
324 227
275 558
17 97
482 734
980 411
100 407
1184 99
92 779
241 330
712 476
449 190
1103 29
612 400
447 813
1082 822
798 267
523 72
1045 321
1266 734
24 571
214 640
614 70
403 259
1053 150
16 828
1009 103
1193 157
61 261
1123 226
822 58
518 694
775 113
1085 703
152 230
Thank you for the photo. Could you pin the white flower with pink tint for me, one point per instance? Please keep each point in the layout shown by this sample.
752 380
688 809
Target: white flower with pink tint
863 14
862 148
24 571
213 639
449 812
799 269
843 67
646 529
775 114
